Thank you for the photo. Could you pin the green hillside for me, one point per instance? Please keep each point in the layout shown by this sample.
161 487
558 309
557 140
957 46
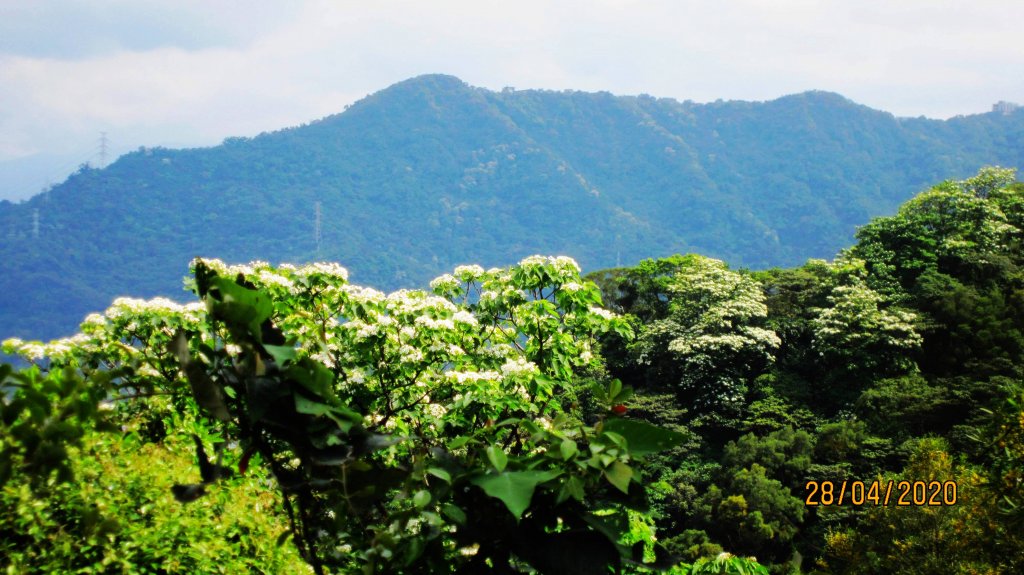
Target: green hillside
431 172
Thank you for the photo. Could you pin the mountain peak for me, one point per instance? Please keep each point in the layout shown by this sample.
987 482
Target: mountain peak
444 82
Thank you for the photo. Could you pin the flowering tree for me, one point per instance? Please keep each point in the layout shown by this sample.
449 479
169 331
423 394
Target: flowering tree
410 432
860 334
712 341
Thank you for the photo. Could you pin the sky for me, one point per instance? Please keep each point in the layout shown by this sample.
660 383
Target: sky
187 73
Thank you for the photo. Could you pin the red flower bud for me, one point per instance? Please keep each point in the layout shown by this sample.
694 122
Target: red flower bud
619 409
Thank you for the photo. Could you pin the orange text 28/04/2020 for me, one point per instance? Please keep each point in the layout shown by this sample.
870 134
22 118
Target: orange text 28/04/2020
901 493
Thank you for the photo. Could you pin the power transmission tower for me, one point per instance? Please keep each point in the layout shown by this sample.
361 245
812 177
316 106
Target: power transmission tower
316 228
35 224
103 149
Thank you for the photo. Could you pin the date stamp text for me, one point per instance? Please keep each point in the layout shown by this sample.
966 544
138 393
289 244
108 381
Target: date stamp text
899 493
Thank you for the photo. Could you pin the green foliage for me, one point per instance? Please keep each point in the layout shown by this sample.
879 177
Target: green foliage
1003 436
41 417
726 564
75 499
784 454
751 513
910 333
118 516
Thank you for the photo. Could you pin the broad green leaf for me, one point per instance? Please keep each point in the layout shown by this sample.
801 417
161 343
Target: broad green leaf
497 457
458 442
642 437
573 487
440 473
514 488
454 513
240 305
312 376
280 353
421 499
343 417
613 389
619 474
568 449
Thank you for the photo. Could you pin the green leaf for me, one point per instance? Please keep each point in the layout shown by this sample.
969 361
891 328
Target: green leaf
310 407
239 305
421 499
573 487
497 457
440 473
313 376
642 437
458 442
280 353
624 395
613 389
454 513
514 488
619 474
568 449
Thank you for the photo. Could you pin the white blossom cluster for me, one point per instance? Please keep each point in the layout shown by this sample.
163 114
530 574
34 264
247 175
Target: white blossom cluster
409 342
125 306
468 273
56 350
325 269
518 367
857 317
563 269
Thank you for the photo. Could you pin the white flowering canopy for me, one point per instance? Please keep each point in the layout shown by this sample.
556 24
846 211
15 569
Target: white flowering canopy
480 336
713 340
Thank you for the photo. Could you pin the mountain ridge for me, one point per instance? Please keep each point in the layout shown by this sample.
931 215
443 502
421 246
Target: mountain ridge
432 172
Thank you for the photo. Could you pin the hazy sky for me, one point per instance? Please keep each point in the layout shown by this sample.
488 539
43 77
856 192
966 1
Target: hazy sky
192 72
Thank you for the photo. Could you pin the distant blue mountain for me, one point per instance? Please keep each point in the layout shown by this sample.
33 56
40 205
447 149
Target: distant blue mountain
430 173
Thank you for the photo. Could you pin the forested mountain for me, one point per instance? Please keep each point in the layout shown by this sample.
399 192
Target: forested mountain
432 172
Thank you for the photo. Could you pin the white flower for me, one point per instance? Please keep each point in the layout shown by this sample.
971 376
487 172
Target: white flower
566 264
95 320
328 269
435 410
431 323
518 367
269 278
444 283
468 376
468 273
465 317
410 354
363 294
499 350
533 261
601 312
363 330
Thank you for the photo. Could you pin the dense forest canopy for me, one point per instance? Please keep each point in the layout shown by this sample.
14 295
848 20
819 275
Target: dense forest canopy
431 173
677 415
